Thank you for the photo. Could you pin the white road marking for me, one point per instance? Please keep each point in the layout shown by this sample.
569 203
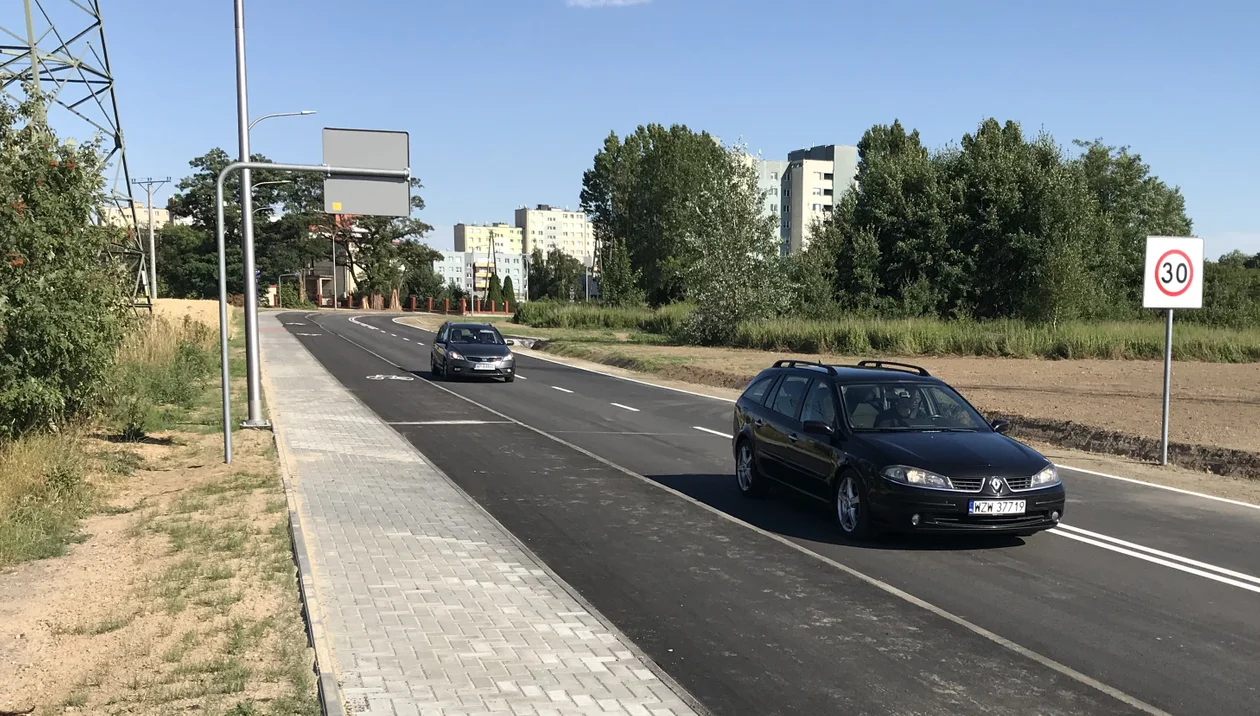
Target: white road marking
1184 564
562 390
625 407
713 432
650 385
406 338
521 377
308 334
452 422
395 335
1158 486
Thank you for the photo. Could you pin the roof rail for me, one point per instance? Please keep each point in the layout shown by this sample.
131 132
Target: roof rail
792 363
892 365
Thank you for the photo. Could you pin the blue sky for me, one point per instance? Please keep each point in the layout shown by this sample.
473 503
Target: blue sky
506 101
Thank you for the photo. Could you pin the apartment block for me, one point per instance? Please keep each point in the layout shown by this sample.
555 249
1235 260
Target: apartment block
121 216
813 182
488 238
471 271
546 227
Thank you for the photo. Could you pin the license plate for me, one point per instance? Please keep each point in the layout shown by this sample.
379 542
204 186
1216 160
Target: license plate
483 366
996 507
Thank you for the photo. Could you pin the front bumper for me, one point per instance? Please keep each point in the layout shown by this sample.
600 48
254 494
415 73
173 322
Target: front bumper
472 367
894 506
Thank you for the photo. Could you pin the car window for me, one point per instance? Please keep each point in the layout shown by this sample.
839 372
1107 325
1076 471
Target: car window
787 400
908 406
819 405
441 336
475 334
756 392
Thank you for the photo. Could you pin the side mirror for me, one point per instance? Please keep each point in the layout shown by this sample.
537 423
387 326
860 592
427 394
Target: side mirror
1001 426
819 428
509 341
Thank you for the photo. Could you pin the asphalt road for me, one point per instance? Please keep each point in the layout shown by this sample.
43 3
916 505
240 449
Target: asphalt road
1146 600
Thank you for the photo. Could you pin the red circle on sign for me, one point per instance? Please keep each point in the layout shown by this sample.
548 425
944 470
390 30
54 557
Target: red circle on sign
1189 277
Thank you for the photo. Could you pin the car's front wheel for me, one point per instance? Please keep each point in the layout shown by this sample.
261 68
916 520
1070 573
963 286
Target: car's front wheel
750 482
851 511
509 378
433 368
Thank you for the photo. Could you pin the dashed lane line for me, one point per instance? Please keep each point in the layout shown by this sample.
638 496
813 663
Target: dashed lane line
713 432
625 407
562 390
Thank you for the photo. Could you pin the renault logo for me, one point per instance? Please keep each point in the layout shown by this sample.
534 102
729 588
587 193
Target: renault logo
996 484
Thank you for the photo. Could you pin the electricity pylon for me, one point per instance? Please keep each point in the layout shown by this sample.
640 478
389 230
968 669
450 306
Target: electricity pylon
59 50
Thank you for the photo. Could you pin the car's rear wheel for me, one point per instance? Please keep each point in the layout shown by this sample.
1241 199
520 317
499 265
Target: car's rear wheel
751 483
850 508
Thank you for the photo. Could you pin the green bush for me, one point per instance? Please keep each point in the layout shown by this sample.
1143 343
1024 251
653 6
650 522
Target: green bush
62 308
161 364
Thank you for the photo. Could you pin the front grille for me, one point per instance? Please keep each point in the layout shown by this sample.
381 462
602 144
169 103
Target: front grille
967 484
1026 520
1019 483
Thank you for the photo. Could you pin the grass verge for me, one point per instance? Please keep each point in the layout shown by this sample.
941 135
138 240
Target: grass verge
183 596
903 337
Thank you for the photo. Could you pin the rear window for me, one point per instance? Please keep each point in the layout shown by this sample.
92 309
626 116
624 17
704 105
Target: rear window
756 391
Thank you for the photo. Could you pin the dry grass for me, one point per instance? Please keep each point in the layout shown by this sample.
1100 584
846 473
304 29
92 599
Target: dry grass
43 493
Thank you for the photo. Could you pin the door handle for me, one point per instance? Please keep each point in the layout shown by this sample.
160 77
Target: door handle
792 437
758 422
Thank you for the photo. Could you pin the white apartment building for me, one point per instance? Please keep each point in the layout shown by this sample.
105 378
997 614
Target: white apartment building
471 271
483 238
546 227
813 182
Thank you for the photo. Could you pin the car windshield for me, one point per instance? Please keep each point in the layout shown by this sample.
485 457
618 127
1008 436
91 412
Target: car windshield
475 334
890 407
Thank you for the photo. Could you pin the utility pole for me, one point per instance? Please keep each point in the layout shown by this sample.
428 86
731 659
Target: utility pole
252 372
148 184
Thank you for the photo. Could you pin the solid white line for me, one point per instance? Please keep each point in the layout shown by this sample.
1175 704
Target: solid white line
1156 560
625 407
451 422
562 390
1157 553
713 432
535 354
1158 486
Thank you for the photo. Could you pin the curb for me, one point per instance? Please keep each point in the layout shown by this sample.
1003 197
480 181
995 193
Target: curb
328 689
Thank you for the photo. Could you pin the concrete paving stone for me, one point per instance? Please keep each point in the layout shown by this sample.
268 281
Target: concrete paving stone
430 607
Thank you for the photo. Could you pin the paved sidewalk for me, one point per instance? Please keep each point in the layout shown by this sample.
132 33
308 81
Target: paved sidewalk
431 608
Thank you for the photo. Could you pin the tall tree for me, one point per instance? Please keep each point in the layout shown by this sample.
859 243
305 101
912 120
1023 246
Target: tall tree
494 292
639 193
735 273
509 291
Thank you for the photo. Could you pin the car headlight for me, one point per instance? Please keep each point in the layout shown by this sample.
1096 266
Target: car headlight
915 477
454 354
1047 477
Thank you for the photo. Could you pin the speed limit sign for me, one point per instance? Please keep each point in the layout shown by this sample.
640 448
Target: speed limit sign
1174 272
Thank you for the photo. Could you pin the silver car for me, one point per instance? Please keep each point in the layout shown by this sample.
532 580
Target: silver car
471 349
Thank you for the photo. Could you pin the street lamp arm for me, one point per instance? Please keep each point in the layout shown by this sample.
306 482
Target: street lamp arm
279 114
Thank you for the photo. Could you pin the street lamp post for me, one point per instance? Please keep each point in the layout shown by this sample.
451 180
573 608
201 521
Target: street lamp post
252 358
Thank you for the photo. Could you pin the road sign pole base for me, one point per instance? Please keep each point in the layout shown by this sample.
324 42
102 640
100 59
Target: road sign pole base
260 424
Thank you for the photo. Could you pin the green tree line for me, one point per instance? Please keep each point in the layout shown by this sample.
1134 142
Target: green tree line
999 226
291 232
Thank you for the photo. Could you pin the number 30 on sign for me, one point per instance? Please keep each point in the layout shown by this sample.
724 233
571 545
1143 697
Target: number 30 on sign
1174 272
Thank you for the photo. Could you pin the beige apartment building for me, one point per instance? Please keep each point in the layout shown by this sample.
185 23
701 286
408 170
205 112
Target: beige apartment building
546 227
116 216
496 238
813 182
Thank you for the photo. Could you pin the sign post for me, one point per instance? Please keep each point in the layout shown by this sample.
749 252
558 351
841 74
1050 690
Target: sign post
1173 279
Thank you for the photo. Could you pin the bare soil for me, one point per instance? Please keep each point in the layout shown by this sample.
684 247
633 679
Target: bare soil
180 597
